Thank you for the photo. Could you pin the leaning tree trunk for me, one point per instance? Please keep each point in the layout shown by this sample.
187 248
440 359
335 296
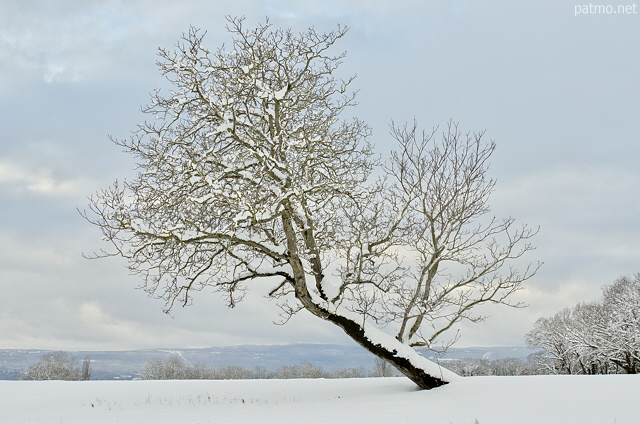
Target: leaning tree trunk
418 369
424 373
421 371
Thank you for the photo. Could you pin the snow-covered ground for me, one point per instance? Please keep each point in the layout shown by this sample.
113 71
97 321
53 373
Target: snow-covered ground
606 399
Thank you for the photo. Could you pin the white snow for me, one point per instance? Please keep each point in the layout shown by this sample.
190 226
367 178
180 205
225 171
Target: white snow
279 95
602 399
380 337
225 126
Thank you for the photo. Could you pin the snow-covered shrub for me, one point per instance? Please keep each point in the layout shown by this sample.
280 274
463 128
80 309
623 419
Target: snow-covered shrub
234 373
55 366
175 368
303 370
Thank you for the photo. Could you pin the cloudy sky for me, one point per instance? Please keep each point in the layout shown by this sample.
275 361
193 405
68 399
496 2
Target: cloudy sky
559 93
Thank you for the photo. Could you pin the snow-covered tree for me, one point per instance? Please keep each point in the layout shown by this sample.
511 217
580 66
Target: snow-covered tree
249 171
54 366
548 335
595 337
620 333
567 341
175 368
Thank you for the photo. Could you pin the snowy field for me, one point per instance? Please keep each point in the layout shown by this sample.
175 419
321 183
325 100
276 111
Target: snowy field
604 399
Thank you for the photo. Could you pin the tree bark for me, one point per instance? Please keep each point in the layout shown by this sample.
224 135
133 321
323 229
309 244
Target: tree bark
392 351
419 376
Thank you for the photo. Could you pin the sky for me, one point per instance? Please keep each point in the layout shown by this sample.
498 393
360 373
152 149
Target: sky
558 91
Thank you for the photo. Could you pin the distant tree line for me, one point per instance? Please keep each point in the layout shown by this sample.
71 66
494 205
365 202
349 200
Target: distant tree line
175 368
601 337
59 366
503 367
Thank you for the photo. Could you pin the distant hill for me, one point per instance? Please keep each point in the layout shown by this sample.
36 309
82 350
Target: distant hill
127 364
